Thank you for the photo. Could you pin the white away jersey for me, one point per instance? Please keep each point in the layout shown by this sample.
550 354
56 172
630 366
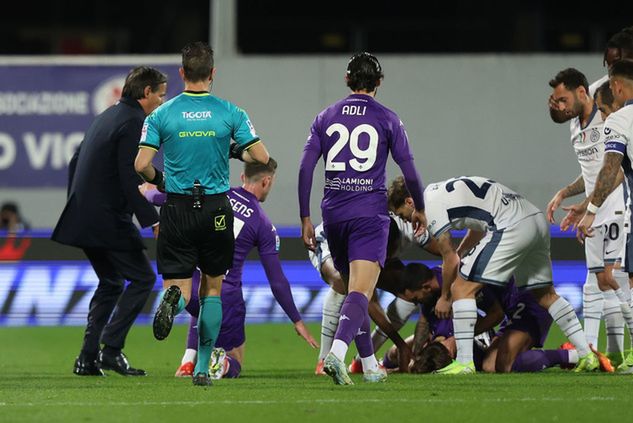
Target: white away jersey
408 237
473 202
594 85
618 132
588 145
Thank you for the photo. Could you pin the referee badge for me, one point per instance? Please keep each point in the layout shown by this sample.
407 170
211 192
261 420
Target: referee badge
220 222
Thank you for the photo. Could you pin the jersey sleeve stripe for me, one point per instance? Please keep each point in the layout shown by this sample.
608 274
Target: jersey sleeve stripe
251 143
151 147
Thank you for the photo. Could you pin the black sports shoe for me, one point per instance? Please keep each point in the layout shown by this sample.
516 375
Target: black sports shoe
166 312
87 367
119 364
201 379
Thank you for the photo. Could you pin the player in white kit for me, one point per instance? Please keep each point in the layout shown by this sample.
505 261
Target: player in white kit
570 92
507 235
618 134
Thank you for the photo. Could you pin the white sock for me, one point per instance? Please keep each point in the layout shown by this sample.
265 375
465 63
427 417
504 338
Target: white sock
329 321
614 322
190 355
592 305
573 356
464 319
565 317
339 349
626 310
370 364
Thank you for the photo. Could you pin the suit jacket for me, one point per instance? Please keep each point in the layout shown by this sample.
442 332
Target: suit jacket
103 185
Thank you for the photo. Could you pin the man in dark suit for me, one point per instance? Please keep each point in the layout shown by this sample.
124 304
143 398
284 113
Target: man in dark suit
103 195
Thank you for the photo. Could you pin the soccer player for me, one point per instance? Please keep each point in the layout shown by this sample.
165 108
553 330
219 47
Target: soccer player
196 224
507 236
618 132
355 136
252 228
570 93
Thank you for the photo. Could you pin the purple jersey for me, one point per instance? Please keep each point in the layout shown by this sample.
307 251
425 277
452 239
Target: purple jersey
355 136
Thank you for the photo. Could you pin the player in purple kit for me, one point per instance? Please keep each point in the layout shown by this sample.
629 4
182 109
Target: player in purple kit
252 228
355 136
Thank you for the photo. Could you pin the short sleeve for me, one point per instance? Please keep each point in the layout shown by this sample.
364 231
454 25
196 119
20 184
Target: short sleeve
436 214
150 134
615 133
243 130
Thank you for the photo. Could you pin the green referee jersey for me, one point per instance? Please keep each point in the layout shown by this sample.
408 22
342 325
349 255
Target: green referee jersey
195 130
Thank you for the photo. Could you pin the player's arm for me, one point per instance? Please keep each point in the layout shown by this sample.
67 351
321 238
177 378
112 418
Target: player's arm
450 265
311 155
494 316
280 288
470 240
379 317
421 336
575 188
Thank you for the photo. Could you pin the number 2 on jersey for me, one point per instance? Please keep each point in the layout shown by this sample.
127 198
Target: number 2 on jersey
478 191
368 155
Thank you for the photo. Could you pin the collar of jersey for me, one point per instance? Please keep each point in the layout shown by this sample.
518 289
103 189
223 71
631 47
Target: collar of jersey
628 102
196 93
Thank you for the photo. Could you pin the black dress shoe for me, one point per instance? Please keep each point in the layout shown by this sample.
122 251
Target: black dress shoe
119 364
87 367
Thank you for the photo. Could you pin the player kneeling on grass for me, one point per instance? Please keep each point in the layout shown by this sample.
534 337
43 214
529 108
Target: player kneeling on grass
252 228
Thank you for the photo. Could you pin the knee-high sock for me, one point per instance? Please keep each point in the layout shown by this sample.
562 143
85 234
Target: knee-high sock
537 360
398 312
614 323
623 281
565 317
329 321
234 370
352 317
626 310
365 347
464 318
209 323
592 305
181 302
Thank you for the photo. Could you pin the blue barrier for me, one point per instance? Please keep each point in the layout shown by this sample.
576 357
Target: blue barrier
57 293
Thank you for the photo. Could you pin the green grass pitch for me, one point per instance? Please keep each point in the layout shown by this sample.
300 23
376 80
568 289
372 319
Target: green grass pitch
278 385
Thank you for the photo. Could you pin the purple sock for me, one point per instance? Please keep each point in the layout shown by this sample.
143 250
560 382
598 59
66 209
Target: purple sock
363 339
537 360
387 363
352 317
235 368
194 302
192 336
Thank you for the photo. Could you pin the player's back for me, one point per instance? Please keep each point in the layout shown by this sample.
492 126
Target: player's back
473 202
356 135
250 226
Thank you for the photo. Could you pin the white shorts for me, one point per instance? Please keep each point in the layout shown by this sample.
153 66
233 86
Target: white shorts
605 246
522 250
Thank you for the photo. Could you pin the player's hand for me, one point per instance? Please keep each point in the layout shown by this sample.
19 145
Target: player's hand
575 212
553 204
443 308
585 228
303 332
307 234
404 358
156 230
418 219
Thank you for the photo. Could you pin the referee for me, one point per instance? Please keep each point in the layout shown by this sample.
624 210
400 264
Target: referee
196 223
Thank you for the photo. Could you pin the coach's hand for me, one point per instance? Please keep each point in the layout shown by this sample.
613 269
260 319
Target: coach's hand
303 332
307 233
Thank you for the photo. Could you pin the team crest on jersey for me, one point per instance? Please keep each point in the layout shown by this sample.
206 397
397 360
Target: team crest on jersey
607 131
595 135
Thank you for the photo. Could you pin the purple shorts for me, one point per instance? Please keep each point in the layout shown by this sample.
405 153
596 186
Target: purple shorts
232 333
363 238
528 316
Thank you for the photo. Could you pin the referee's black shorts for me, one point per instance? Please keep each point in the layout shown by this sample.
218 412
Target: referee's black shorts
191 237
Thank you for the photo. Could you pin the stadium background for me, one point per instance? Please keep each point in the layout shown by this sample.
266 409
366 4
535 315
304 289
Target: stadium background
470 87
